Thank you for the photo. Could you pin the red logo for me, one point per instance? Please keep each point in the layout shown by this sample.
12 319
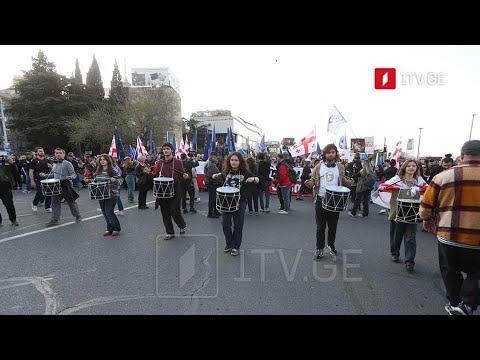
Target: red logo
385 78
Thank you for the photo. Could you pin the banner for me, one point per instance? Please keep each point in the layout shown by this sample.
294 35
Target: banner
295 187
369 145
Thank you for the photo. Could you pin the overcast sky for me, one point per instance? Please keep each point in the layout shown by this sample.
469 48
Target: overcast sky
288 90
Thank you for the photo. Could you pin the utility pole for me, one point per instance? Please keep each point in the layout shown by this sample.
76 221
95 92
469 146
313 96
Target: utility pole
419 138
5 137
471 127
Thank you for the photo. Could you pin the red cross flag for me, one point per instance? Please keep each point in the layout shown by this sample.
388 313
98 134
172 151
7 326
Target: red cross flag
306 145
113 148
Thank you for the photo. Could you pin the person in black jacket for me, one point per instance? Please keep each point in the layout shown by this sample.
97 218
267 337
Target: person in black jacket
8 172
187 184
264 184
141 171
235 174
307 170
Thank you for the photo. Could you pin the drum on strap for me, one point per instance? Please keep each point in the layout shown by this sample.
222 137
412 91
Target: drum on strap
163 187
336 198
228 199
51 187
408 211
99 190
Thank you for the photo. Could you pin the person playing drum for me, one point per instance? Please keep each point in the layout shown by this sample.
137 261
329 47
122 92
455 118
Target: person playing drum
409 183
170 207
105 173
235 174
330 171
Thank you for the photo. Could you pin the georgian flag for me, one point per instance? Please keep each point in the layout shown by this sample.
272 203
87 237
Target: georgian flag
113 149
141 150
397 152
180 150
187 144
306 145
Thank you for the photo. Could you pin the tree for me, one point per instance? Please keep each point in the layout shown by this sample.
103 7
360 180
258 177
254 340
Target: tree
93 131
94 82
117 91
78 74
39 108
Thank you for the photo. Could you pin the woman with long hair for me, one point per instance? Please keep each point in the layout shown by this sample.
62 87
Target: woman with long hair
410 182
106 173
235 174
362 189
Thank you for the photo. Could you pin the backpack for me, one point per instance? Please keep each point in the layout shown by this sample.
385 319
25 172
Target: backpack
292 175
369 181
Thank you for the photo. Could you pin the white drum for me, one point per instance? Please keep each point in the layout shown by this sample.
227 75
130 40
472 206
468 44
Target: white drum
228 199
336 198
51 187
408 211
99 190
163 187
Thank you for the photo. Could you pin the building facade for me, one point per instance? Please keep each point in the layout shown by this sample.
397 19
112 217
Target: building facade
246 135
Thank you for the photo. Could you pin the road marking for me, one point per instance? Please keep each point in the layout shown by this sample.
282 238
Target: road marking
60 225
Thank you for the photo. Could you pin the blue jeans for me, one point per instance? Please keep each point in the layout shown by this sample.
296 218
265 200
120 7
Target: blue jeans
131 187
267 199
234 238
27 181
107 207
286 190
119 201
39 196
408 233
76 182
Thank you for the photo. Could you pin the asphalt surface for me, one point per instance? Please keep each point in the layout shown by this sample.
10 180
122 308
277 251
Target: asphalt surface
73 269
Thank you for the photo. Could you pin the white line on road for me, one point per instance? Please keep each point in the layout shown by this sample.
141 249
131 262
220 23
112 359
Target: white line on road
60 226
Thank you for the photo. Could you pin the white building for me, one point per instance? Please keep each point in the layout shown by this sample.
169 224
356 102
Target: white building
246 135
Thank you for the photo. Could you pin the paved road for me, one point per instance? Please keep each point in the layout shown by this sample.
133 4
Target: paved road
73 269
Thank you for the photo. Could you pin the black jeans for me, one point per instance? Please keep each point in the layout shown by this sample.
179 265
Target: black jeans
39 196
280 197
7 199
171 209
324 217
187 187
212 198
108 207
253 196
453 260
142 195
353 193
234 238
361 197
407 232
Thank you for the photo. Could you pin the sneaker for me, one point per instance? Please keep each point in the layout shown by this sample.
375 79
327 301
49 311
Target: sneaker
267 210
107 233
283 212
168 237
300 199
182 231
351 214
250 213
318 254
234 252
262 210
41 202
26 191
63 201
193 211
197 200
34 208
119 213
360 216
383 211
228 248
395 258
332 250
115 233
48 210
15 223
185 211
449 309
409 267
462 309
78 219
257 213
52 223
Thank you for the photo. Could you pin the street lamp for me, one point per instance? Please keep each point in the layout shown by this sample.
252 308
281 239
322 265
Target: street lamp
471 127
419 138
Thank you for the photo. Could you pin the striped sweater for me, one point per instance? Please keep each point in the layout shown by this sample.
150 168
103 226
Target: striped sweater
455 196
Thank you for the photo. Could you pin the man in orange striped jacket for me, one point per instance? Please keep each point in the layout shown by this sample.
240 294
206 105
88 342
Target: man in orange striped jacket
455 194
